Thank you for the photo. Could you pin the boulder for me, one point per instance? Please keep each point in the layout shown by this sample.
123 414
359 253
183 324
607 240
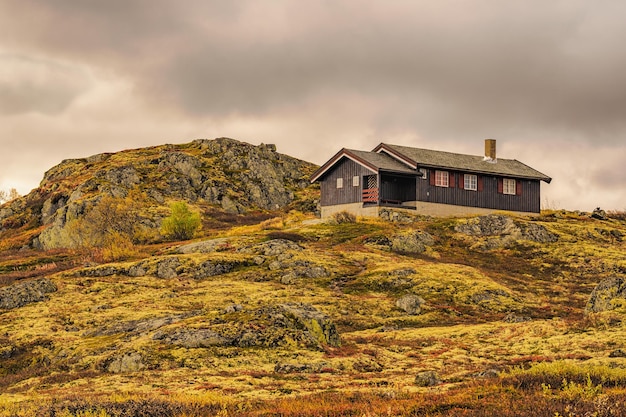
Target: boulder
167 268
411 242
491 225
206 246
274 247
193 338
319 326
503 231
23 293
367 365
410 303
598 214
427 379
618 353
514 318
129 362
290 368
233 308
607 295
211 269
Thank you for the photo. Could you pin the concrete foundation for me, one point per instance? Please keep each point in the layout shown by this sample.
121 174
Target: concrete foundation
355 208
416 208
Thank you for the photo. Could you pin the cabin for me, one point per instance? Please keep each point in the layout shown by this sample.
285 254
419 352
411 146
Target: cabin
428 182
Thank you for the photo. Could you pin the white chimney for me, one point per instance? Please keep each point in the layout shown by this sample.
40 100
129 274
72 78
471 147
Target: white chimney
490 151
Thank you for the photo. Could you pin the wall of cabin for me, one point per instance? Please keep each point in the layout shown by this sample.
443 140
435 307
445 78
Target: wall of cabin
345 169
487 196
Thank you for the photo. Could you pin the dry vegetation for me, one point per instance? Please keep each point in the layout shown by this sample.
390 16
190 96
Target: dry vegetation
503 328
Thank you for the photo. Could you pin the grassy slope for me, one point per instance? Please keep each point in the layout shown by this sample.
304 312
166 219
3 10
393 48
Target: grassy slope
57 355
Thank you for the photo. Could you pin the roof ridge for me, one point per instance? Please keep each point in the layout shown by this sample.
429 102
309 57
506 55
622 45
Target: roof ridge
448 152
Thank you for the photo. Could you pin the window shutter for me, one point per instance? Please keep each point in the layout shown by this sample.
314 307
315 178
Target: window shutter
518 187
481 186
500 186
461 181
432 177
451 180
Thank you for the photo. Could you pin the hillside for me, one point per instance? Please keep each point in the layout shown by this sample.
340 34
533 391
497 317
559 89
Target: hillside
221 177
277 313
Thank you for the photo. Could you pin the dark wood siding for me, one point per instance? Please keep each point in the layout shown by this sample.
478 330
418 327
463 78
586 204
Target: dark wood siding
397 188
488 195
346 169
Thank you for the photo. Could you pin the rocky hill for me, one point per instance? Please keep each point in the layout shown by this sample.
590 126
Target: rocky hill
227 175
286 315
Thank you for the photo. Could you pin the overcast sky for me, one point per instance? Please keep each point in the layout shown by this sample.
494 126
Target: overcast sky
547 79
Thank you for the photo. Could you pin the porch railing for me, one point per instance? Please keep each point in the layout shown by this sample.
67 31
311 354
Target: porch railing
370 195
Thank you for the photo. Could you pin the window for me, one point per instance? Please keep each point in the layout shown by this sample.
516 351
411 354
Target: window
441 178
470 182
424 173
339 182
508 186
355 181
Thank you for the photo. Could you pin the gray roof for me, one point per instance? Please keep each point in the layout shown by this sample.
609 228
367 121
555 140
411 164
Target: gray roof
470 163
381 161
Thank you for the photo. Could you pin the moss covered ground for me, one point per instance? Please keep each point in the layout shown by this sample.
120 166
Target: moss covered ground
504 325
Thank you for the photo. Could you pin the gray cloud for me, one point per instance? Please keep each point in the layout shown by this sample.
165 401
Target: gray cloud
434 74
39 85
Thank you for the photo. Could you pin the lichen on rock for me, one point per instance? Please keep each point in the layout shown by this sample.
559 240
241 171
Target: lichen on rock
23 293
609 294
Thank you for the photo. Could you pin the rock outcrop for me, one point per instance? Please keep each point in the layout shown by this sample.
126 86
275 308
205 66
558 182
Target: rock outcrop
269 326
411 242
166 267
228 174
503 231
23 293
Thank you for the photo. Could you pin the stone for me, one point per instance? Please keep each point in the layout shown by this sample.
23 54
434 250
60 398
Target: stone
205 246
318 324
538 233
607 295
274 247
514 318
598 214
502 231
23 293
411 242
618 353
211 269
367 366
491 225
137 270
410 303
488 373
166 268
233 308
427 379
289 278
193 338
269 326
290 368
129 362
